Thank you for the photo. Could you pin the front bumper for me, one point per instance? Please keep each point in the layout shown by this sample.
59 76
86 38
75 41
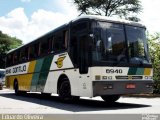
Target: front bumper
112 87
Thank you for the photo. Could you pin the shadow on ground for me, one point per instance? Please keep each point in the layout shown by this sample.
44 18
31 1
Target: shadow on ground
83 105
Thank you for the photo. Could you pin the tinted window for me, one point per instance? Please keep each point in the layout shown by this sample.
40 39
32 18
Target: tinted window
137 44
109 42
24 54
16 56
79 27
60 41
9 60
34 51
44 47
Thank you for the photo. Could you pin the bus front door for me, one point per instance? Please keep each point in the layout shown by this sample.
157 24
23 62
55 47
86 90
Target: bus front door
83 54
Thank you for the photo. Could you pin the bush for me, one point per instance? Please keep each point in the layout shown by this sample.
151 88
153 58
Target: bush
154 48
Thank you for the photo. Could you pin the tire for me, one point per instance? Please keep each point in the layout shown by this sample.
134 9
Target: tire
16 88
110 98
64 92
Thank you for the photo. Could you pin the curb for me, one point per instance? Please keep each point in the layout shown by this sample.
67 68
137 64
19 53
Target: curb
143 95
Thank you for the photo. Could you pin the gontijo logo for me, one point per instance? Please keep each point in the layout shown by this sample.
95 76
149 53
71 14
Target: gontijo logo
59 61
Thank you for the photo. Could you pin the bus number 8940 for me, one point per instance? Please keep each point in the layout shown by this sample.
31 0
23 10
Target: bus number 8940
114 71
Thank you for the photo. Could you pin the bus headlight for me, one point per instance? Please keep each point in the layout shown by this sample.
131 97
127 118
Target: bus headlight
148 77
107 77
98 77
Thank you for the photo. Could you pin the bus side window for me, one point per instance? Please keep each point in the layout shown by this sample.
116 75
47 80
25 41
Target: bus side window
24 54
34 51
9 60
50 42
44 47
31 52
60 41
65 39
16 57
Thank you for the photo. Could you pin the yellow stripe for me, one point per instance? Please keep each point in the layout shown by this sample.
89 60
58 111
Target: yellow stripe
28 78
24 80
31 66
147 71
9 82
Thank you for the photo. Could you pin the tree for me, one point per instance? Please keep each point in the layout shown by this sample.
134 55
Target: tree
154 48
127 9
7 43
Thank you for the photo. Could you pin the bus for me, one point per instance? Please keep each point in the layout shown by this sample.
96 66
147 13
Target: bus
87 57
2 78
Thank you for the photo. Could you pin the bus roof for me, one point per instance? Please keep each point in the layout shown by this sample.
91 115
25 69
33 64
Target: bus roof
109 19
90 17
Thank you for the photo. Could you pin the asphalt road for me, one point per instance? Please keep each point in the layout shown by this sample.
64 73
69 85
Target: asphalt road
37 104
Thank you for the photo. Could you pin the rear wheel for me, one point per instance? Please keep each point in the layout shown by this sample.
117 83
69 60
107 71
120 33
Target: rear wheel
110 98
16 88
65 92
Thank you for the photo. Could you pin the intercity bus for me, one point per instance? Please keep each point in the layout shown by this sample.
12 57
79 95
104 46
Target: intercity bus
87 57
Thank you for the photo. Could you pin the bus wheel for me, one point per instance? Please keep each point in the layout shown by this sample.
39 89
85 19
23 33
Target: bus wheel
16 88
110 98
65 92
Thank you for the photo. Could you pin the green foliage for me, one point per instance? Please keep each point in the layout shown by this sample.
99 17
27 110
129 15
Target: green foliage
127 9
7 43
154 47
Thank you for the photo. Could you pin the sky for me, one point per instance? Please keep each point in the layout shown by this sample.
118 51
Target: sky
29 19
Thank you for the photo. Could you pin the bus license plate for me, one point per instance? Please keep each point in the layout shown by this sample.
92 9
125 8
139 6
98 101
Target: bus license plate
130 86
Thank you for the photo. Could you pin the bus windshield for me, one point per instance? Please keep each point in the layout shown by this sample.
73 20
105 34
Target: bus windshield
137 44
113 44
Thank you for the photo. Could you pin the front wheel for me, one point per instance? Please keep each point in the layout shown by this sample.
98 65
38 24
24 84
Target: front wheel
65 92
110 98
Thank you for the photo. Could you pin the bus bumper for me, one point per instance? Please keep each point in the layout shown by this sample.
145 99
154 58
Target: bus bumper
101 88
